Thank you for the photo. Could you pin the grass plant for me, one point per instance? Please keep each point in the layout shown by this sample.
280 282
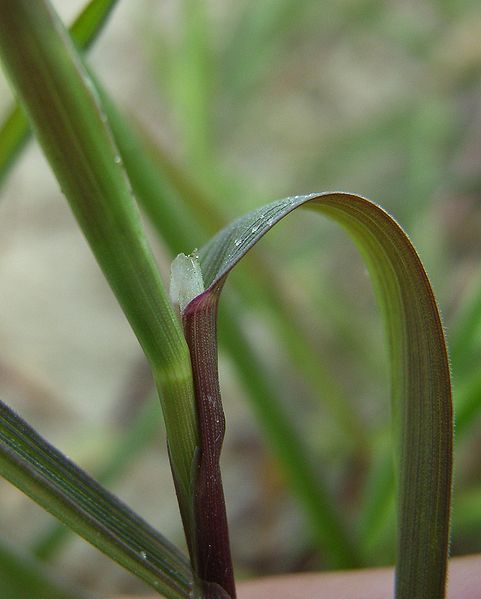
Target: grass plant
109 167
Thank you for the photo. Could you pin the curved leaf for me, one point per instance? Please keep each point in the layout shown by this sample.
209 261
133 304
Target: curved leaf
54 482
421 389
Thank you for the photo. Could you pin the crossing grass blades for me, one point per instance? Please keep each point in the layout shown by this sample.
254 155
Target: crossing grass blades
61 103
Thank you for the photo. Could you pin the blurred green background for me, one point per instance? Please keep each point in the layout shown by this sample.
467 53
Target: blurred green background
244 102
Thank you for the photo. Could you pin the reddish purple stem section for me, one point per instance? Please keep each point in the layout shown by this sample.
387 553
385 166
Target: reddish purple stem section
210 545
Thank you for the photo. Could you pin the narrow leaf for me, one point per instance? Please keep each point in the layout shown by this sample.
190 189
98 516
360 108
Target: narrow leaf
130 442
64 110
191 82
15 130
421 390
54 482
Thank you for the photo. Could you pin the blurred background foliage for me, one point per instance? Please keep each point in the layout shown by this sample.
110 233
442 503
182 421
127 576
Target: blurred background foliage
239 103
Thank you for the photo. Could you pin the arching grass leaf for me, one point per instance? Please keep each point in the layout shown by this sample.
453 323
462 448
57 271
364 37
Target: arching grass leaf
421 389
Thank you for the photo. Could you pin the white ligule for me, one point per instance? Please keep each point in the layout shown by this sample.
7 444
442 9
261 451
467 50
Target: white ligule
186 280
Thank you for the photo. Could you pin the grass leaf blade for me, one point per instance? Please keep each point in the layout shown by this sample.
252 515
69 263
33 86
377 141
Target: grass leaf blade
15 130
69 122
421 387
54 482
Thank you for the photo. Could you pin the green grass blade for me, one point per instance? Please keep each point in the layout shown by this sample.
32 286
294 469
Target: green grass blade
130 443
466 330
90 22
15 130
191 82
14 133
421 389
467 512
65 112
153 187
259 37
376 505
467 399
54 482
21 576
465 348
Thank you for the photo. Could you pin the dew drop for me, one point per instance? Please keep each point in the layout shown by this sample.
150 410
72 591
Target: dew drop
255 228
143 555
117 159
237 242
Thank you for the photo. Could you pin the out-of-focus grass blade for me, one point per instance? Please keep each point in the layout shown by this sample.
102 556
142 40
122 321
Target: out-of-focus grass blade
466 334
153 187
191 82
256 40
54 482
22 577
325 526
421 389
64 109
467 396
467 512
14 131
377 506
90 22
